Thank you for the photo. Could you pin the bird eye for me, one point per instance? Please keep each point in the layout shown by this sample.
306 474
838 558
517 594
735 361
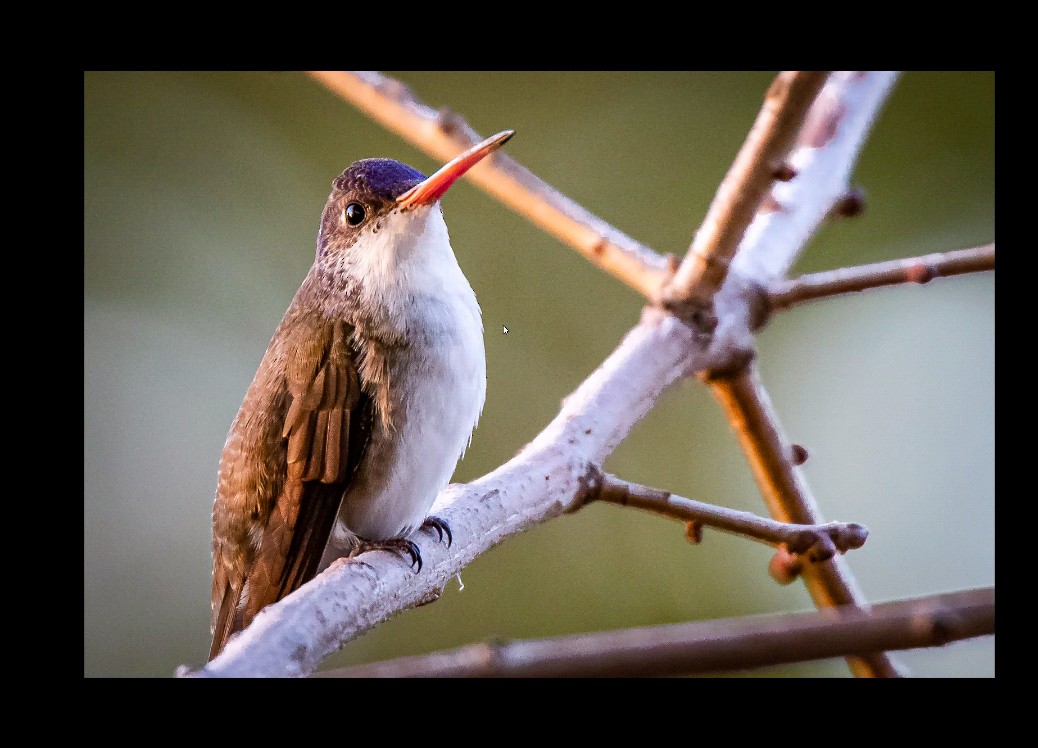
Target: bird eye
354 213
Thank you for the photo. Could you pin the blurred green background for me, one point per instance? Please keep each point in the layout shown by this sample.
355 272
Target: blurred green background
202 196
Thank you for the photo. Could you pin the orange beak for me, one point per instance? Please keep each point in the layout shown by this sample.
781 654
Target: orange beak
429 191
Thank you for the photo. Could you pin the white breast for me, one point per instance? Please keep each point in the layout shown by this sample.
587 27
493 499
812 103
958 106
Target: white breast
438 384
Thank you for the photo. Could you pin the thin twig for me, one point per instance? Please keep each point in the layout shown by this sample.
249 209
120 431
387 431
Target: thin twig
444 134
817 542
787 293
761 158
720 645
787 494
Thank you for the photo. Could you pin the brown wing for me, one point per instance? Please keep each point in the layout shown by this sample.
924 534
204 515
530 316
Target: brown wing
327 419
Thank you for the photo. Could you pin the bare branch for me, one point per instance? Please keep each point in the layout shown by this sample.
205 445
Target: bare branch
787 494
827 149
783 294
444 134
760 160
710 646
817 542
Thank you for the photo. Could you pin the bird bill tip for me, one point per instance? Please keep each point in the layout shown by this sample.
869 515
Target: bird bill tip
430 190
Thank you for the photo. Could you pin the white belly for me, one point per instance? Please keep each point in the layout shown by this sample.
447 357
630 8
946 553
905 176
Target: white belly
437 384
438 392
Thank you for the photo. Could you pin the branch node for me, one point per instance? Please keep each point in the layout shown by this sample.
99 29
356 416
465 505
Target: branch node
921 273
450 122
698 314
737 363
589 486
940 627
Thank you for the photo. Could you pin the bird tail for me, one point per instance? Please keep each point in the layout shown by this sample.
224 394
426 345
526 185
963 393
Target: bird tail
224 626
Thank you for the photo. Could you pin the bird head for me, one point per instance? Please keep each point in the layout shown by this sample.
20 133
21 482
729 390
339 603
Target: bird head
381 212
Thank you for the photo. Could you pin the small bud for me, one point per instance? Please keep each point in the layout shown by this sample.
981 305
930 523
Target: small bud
853 536
850 205
785 567
694 532
799 454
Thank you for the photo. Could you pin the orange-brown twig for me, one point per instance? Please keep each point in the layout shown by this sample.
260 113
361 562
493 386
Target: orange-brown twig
759 162
444 134
787 495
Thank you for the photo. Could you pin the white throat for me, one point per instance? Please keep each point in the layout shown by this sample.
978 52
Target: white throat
410 273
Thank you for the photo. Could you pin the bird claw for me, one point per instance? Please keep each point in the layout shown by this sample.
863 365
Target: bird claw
441 527
393 545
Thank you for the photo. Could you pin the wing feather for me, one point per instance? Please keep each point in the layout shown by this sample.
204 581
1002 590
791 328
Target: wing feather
315 463
324 432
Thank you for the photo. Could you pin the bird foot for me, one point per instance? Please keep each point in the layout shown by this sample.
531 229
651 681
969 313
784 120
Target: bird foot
393 545
441 527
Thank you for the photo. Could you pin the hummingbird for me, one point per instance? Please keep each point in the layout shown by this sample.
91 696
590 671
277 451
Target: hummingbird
365 400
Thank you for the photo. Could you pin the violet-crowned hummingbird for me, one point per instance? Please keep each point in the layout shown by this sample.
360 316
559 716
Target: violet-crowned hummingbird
365 399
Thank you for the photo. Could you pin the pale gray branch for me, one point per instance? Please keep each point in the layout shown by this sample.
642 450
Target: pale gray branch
823 160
